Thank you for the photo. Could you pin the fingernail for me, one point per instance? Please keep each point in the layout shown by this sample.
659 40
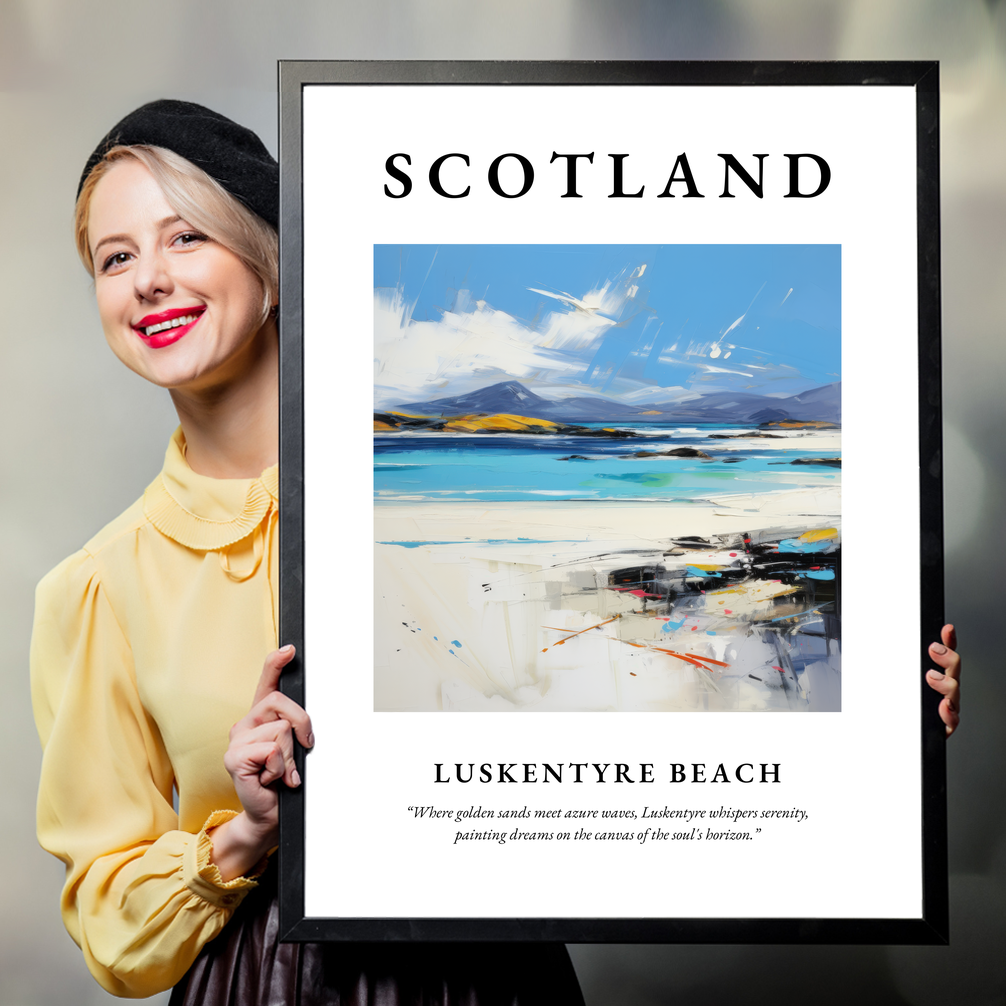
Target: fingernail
295 777
310 740
936 676
938 648
287 649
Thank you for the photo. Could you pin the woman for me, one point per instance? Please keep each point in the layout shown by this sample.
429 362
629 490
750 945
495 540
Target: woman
149 642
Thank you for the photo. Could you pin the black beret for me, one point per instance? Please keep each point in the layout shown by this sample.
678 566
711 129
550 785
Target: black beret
230 154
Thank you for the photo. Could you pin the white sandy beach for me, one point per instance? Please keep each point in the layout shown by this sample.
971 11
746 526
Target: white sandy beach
496 607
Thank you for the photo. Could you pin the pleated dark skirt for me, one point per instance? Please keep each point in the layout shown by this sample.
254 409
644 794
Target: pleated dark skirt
247 966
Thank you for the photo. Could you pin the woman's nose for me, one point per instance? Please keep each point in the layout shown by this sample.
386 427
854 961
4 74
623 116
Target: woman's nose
152 277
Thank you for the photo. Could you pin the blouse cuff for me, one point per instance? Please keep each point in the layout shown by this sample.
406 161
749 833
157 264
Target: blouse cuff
202 876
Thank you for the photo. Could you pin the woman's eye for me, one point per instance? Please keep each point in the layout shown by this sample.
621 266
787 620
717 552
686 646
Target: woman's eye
190 238
114 261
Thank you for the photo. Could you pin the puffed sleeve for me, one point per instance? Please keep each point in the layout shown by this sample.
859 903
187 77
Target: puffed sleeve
141 898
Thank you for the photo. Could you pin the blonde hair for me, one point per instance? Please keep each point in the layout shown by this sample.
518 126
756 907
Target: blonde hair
199 200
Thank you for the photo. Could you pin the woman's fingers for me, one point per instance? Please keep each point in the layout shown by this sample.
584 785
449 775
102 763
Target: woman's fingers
261 749
279 736
944 684
277 706
947 682
270 703
259 760
274 766
949 710
949 636
946 657
271 671
950 716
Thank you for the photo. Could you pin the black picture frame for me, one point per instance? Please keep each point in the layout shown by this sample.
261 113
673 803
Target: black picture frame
932 925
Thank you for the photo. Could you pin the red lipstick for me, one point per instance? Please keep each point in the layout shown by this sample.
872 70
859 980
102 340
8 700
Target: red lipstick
165 333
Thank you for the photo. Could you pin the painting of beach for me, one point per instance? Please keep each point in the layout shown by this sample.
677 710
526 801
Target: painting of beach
607 478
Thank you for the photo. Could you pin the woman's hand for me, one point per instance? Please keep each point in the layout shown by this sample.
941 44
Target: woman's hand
947 682
260 753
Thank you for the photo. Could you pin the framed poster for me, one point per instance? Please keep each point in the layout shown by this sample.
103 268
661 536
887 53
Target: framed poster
612 587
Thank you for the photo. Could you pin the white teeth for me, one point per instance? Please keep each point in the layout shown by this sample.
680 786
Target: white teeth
174 323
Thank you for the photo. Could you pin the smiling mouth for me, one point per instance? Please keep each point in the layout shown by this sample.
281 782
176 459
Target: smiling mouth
176 321
167 327
185 319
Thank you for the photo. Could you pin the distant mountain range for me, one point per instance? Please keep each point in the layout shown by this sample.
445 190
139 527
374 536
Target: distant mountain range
511 397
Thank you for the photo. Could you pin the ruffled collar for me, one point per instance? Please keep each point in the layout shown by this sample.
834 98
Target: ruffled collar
203 513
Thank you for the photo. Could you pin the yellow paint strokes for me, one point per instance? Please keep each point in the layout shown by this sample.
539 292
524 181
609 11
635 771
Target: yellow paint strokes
499 422
828 532
782 612
379 426
749 598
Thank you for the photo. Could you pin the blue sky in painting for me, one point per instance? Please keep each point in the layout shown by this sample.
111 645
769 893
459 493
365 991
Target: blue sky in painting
636 323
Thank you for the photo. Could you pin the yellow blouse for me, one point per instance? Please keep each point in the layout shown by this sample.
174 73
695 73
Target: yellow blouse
147 647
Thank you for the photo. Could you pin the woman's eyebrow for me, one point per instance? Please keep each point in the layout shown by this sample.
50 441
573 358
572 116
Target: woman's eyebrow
160 225
109 240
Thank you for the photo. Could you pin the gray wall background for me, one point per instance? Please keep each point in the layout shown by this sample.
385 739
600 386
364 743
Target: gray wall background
82 436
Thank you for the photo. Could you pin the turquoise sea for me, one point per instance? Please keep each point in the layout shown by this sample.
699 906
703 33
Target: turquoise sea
509 468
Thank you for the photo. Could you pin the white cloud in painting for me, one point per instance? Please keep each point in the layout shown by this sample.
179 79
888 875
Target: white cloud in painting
757 366
474 345
578 343
601 300
695 353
